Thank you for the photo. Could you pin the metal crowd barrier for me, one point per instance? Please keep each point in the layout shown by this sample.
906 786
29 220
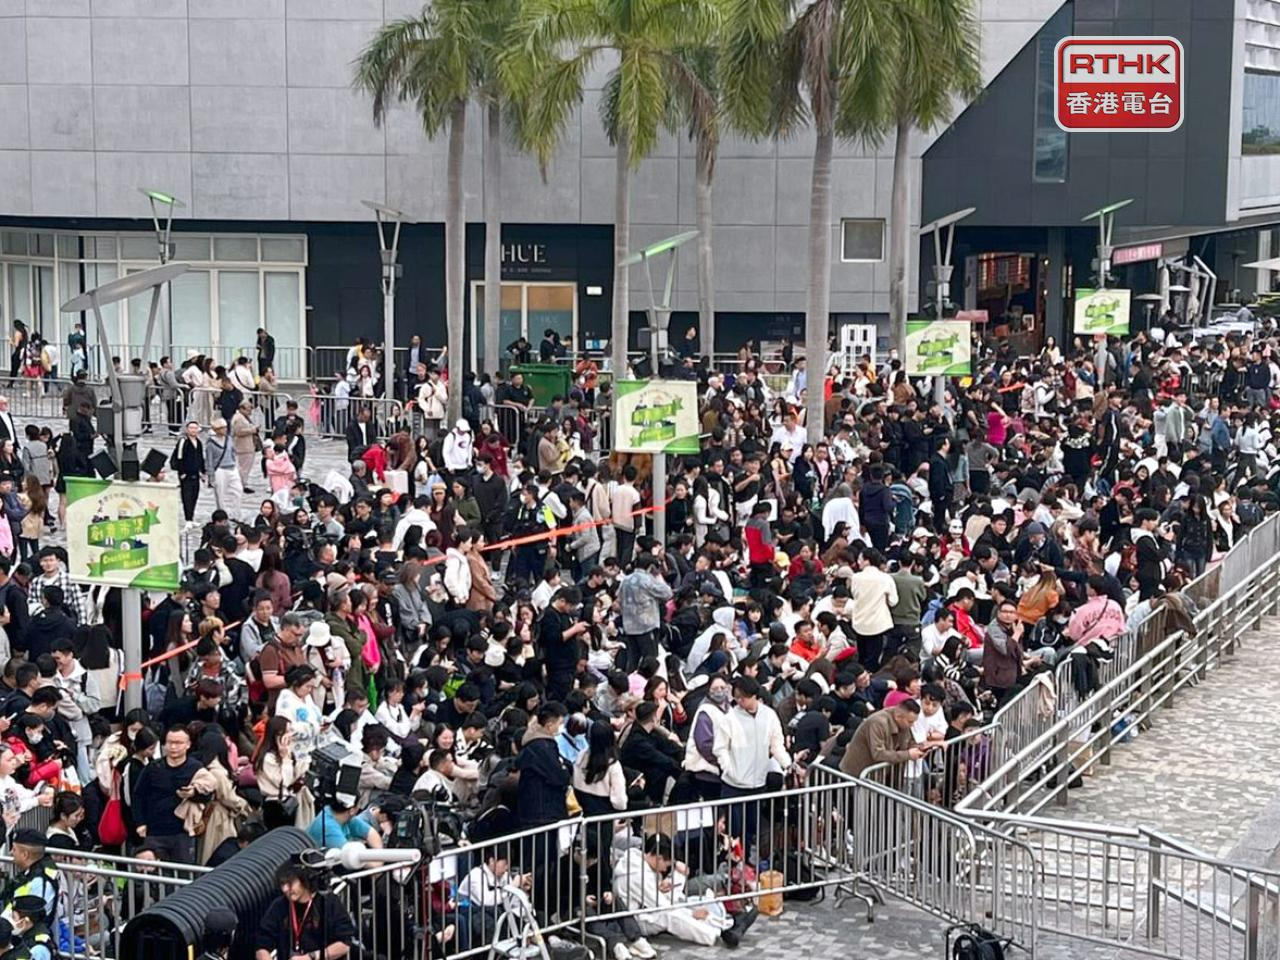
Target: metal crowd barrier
99 893
1139 889
291 362
1084 735
949 774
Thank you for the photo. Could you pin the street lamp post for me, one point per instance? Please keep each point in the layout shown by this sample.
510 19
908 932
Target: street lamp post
942 270
1106 218
128 394
162 207
659 315
391 272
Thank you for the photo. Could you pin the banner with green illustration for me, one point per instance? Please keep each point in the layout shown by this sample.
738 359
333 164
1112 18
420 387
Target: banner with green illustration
939 347
656 416
124 534
1103 312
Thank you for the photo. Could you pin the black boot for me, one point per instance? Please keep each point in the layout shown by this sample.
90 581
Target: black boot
741 924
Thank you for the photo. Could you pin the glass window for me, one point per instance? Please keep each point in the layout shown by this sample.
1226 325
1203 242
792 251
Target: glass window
235 249
138 248
861 240
20 293
44 311
283 316
192 313
69 285
191 248
100 248
95 275
42 244
68 246
283 249
238 312
1261 126
139 312
1050 163
13 241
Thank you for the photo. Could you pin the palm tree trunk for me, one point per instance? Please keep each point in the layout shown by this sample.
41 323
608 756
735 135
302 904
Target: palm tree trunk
899 245
621 243
818 305
493 239
706 266
455 230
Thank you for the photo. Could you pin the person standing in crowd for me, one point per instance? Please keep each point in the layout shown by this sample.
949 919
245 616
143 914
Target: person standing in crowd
188 461
161 787
220 467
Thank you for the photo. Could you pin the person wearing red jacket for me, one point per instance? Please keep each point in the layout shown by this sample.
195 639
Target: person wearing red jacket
759 537
375 458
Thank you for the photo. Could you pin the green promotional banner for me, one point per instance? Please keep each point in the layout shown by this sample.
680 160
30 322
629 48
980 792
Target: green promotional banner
940 347
656 416
1102 312
123 533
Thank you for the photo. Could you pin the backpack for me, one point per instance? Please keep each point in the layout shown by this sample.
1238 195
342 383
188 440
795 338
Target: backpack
1249 513
978 944
799 869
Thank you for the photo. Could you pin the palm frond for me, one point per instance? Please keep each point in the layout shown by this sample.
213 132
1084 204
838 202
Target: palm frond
694 100
865 85
386 67
749 77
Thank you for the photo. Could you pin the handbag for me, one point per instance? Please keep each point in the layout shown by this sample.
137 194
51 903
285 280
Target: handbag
111 827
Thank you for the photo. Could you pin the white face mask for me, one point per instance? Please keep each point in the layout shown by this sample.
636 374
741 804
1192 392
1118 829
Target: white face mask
34 738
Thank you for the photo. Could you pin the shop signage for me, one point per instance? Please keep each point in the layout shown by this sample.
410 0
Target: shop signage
1136 254
1118 84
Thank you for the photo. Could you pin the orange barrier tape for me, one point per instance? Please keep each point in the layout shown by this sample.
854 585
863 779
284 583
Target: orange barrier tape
557 532
128 678
551 534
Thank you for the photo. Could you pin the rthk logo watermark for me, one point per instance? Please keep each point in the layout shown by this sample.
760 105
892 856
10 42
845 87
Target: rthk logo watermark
1118 84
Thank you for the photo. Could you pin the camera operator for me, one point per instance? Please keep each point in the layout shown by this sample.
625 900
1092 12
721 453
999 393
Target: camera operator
304 922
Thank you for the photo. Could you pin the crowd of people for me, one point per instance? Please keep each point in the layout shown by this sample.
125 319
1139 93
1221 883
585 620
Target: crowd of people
485 622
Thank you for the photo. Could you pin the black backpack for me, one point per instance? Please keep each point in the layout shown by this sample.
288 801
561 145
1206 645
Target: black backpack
978 944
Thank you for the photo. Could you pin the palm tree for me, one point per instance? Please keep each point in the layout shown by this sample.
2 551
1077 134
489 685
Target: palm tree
438 61
696 106
562 40
824 62
939 59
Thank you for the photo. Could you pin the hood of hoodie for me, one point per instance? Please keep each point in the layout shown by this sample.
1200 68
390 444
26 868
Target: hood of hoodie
723 617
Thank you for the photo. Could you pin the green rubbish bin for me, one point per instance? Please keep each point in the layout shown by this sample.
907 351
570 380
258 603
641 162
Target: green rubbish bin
546 380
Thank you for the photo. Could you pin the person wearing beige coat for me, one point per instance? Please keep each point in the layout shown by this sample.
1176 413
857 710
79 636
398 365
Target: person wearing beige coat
243 433
221 815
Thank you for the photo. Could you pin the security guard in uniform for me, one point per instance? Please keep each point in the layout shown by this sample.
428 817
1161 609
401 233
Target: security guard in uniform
35 942
37 874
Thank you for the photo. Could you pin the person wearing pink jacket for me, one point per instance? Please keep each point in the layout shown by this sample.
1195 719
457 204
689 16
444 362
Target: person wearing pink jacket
1099 618
280 470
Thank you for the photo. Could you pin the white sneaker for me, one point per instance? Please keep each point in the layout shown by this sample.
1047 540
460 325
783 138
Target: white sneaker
620 952
642 949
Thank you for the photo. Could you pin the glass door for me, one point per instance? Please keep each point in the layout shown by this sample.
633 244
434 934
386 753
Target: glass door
528 310
510 318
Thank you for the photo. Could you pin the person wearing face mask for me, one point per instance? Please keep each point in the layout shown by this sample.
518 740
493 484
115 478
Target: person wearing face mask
699 750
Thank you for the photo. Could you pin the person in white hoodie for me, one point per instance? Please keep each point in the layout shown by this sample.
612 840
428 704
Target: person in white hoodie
415 516
457 568
458 449
746 741
721 626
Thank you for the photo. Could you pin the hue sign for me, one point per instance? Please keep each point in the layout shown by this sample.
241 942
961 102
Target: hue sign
1118 84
